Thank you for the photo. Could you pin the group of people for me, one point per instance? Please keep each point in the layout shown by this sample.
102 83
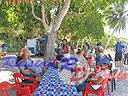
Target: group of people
67 47
64 47
64 50
95 77
121 50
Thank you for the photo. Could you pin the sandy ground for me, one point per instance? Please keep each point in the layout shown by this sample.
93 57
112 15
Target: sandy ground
122 86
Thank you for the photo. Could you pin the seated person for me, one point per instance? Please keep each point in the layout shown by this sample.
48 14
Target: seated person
112 63
32 72
96 78
82 62
60 55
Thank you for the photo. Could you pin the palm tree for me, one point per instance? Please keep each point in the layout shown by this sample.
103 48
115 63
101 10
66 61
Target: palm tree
116 17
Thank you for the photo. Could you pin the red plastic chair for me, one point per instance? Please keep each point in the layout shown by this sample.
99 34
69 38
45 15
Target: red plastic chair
22 91
4 86
18 77
99 92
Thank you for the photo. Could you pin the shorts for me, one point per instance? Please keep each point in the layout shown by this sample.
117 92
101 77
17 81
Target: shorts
118 56
126 56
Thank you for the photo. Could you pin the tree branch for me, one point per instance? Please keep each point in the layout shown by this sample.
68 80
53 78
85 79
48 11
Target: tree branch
0 1
33 12
43 16
76 14
84 1
56 24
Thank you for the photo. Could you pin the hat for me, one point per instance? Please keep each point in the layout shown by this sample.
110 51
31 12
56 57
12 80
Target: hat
104 61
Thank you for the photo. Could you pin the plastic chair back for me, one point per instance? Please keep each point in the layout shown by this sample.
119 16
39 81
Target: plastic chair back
99 91
18 77
4 88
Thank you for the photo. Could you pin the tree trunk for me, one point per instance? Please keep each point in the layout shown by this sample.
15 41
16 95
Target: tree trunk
50 46
53 27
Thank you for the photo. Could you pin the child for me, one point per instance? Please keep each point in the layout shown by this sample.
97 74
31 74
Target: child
97 77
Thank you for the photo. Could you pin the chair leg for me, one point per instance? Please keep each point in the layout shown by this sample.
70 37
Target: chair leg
102 94
108 86
83 93
114 84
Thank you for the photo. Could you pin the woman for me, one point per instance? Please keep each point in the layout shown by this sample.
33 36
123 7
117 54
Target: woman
81 63
65 46
28 70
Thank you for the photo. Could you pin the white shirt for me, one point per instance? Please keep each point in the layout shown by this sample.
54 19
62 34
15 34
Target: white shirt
102 74
126 49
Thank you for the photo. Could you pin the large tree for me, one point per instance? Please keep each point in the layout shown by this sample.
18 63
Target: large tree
50 26
51 13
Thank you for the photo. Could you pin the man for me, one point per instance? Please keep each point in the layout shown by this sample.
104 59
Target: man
126 54
98 52
86 47
118 54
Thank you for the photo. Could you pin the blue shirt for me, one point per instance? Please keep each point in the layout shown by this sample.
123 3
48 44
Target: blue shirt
118 47
36 69
31 64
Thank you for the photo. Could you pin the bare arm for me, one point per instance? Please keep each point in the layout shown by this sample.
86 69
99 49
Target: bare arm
97 81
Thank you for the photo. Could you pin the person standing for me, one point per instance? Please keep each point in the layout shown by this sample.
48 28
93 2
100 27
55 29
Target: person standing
118 54
126 53
86 47
72 47
98 52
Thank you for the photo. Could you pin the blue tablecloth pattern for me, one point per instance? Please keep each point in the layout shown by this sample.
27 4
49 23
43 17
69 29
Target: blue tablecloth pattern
51 85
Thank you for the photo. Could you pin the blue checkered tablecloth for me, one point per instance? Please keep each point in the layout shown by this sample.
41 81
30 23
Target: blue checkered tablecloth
51 85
